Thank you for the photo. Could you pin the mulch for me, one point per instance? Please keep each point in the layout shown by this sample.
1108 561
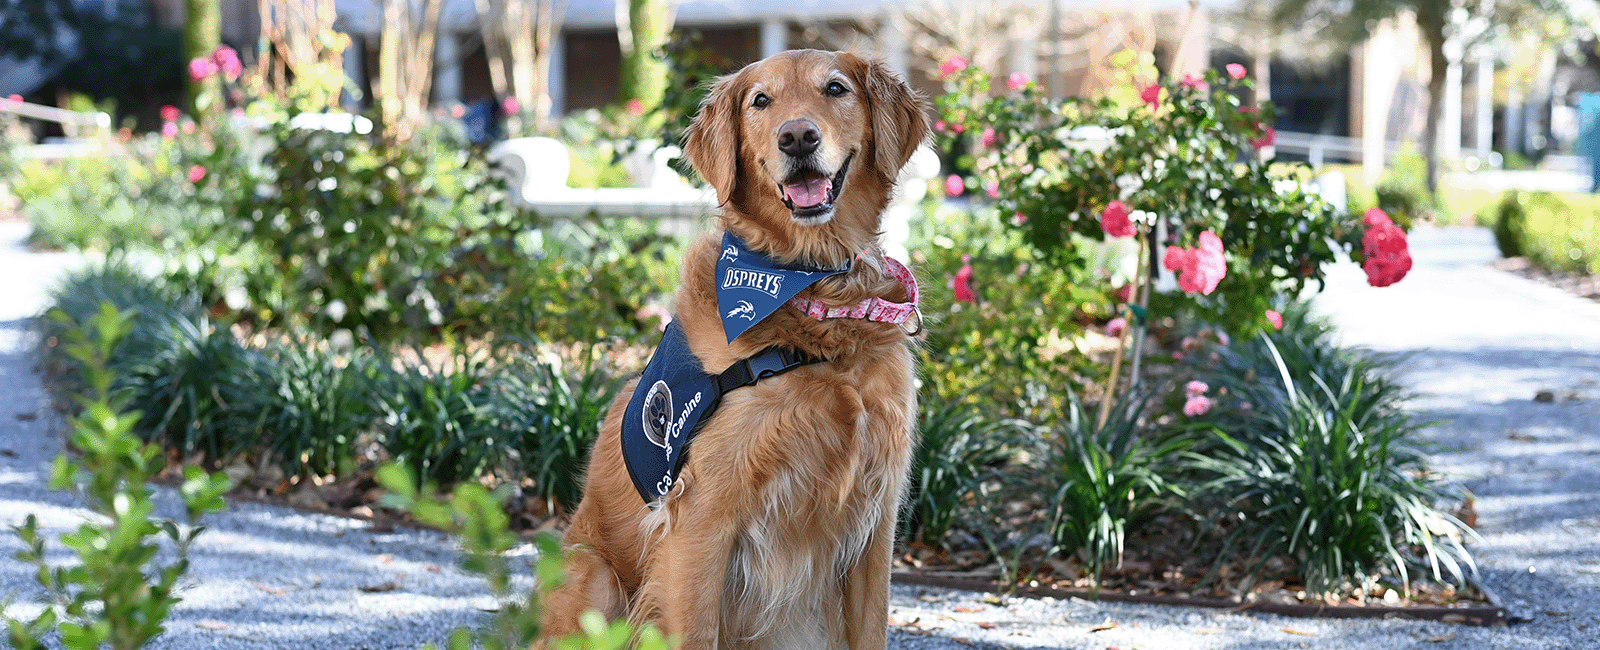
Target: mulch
1583 286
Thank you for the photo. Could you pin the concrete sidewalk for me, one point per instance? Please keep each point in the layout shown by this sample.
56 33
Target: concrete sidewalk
1481 345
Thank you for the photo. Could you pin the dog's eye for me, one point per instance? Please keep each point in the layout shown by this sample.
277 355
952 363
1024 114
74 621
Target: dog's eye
761 100
836 89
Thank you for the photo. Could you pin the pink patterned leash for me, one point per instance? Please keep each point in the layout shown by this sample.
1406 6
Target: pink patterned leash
873 309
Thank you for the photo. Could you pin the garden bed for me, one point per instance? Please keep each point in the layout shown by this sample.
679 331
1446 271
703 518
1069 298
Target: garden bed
1482 612
1577 284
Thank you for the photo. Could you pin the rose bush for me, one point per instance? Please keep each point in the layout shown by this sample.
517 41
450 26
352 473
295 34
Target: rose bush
1176 160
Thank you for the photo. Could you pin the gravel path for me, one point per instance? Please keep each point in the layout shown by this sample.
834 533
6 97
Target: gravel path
1481 344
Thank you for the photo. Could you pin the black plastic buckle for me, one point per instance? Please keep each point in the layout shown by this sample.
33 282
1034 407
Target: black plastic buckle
771 361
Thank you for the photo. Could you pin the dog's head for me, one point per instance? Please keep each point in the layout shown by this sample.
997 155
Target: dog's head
805 146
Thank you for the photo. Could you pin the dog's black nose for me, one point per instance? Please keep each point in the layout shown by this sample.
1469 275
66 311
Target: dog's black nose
798 138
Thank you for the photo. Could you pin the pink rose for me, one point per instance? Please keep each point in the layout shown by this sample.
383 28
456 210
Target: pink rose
201 67
1195 388
962 283
939 125
635 106
227 61
169 130
510 106
1268 136
951 66
1151 95
1236 71
1197 406
1019 219
992 188
1114 220
1123 293
1203 267
1388 254
170 113
988 138
1017 81
1192 82
1174 258
1116 327
1275 318
1376 217
196 173
954 186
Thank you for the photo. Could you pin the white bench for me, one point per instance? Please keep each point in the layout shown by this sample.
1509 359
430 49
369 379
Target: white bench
535 171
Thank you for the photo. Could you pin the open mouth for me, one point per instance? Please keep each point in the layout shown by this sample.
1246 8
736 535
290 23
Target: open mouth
809 194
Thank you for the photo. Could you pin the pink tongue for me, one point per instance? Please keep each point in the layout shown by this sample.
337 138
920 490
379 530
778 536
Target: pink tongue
808 193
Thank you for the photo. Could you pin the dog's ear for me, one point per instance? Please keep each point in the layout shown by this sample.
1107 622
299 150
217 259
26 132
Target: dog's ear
899 119
711 143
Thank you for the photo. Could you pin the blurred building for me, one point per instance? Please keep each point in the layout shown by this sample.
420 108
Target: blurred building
1374 94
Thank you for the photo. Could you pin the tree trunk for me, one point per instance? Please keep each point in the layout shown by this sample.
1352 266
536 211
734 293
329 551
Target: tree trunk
1261 68
202 32
405 65
518 38
644 72
491 22
1431 19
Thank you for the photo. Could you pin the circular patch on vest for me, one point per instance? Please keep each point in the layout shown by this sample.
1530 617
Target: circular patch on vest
657 413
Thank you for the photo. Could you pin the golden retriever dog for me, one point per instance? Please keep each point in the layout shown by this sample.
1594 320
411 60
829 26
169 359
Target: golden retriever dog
779 530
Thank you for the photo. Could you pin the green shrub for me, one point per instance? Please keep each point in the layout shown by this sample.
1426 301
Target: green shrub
1403 192
141 200
436 418
551 413
1178 164
1108 478
1014 346
1511 225
961 447
579 281
314 406
183 372
157 308
1556 232
191 392
1245 377
118 593
1324 470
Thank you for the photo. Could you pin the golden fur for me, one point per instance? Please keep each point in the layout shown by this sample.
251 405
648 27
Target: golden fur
780 531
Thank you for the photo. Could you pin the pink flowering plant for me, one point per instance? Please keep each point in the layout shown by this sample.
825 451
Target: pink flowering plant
1174 163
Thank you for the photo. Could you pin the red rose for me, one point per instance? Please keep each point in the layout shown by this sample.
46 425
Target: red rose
1114 220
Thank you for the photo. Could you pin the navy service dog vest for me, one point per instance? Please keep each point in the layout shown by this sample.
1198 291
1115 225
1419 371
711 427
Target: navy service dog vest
674 398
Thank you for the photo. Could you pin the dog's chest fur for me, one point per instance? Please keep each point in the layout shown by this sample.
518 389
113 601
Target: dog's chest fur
816 458
823 488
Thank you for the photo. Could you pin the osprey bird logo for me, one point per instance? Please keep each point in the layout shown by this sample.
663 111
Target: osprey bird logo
744 309
730 253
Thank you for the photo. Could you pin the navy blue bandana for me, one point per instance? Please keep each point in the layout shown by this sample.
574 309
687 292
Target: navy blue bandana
750 286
